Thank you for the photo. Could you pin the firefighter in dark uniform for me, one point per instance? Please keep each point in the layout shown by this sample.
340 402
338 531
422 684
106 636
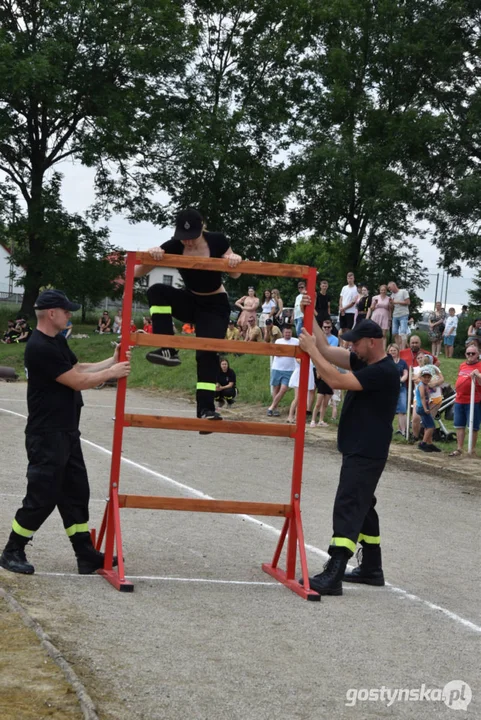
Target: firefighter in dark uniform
56 474
364 436
203 302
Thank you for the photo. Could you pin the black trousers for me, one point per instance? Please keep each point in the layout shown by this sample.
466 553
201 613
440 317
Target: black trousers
354 517
228 394
210 315
56 477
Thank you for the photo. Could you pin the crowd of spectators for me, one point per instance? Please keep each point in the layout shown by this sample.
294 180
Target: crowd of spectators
18 331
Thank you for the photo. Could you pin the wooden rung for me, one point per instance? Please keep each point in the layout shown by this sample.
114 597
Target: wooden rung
166 422
187 342
221 265
152 502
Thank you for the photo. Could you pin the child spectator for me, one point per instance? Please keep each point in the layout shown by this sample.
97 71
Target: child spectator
449 333
11 333
423 409
117 326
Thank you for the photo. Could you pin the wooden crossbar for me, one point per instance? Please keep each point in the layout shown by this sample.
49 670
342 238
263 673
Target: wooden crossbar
238 427
221 265
225 346
155 502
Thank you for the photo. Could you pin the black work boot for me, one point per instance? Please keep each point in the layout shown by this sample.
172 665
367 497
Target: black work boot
329 582
369 570
88 558
209 415
13 557
164 356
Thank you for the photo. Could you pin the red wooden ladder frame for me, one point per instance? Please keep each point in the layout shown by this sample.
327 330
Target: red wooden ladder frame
110 529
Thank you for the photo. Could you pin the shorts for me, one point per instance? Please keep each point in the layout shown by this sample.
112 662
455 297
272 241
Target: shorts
427 420
262 319
298 322
402 401
346 321
400 325
461 415
322 387
449 340
281 377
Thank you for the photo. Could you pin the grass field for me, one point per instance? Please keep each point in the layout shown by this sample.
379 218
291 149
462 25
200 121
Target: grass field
252 370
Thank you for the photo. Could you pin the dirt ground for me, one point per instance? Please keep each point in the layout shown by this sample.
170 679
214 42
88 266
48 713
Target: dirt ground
32 686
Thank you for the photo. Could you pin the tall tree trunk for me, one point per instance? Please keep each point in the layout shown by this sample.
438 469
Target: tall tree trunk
36 243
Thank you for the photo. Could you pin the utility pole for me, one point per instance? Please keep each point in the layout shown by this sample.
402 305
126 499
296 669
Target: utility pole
12 246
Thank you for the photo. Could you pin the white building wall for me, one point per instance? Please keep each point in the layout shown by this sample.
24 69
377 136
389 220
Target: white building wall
5 269
168 276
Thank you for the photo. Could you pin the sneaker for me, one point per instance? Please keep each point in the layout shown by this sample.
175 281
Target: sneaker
164 356
269 413
16 561
426 448
434 448
276 413
312 423
209 415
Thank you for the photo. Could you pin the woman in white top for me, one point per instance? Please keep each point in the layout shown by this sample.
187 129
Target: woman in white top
269 308
294 383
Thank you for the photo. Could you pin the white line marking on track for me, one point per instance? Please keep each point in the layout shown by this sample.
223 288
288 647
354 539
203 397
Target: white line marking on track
193 492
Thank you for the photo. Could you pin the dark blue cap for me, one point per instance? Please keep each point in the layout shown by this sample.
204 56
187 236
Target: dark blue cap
50 299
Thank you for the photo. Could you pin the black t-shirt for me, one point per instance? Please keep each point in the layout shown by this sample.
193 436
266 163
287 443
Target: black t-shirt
203 281
363 304
226 378
365 427
51 405
322 307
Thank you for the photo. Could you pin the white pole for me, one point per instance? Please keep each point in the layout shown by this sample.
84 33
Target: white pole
410 388
471 416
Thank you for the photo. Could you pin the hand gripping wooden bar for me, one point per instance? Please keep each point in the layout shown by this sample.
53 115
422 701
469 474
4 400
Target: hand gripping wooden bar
292 532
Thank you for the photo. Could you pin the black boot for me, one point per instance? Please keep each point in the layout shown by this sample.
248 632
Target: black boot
13 557
369 570
329 582
164 356
88 558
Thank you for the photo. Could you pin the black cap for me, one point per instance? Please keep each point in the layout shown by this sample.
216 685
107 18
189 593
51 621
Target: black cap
188 224
231 322
363 329
50 299
269 321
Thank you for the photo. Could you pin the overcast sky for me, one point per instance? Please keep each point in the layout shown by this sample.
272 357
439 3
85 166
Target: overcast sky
78 196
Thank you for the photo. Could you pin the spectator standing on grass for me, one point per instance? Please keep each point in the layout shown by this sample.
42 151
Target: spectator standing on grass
449 333
400 302
464 313
380 311
403 370
462 403
248 305
268 309
298 315
423 409
281 371
347 305
363 304
323 303
277 318
56 473
437 321
324 392
410 354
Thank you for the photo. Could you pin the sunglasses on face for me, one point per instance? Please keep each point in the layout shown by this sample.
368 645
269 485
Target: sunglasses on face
472 353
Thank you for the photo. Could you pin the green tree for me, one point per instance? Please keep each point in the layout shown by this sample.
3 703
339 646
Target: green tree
81 260
366 134
475 294
85 80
